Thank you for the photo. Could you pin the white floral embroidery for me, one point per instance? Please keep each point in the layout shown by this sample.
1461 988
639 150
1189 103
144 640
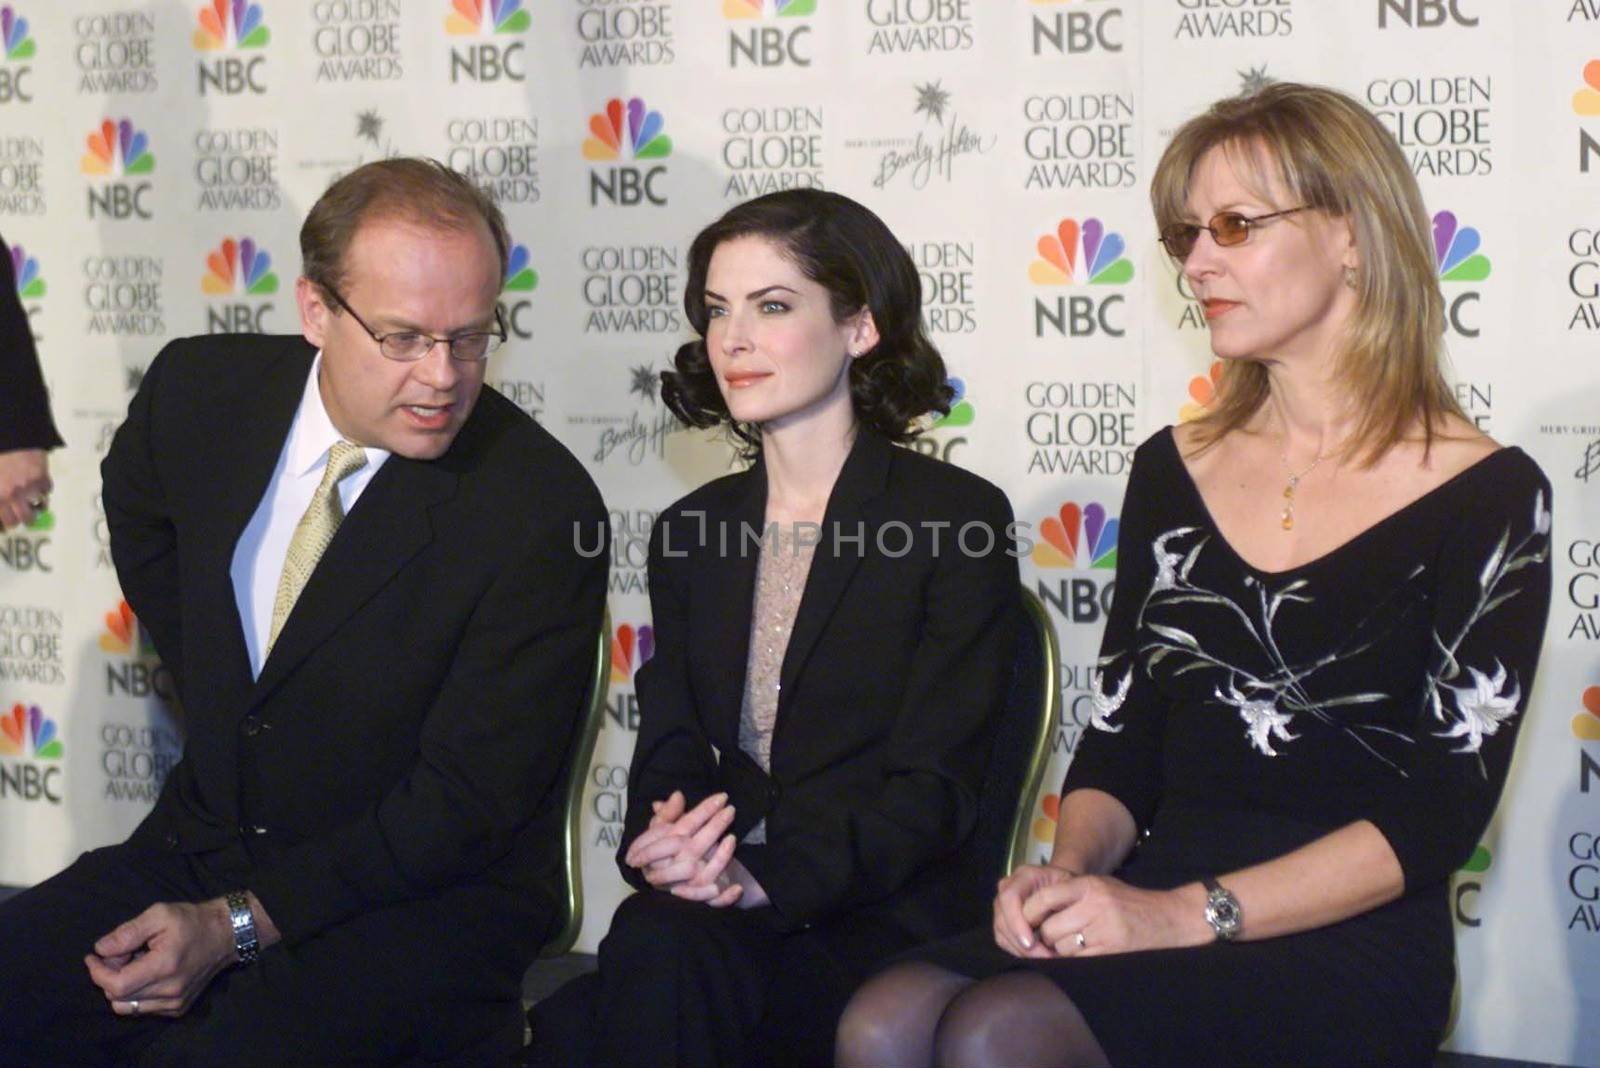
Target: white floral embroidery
1107 704
1483 707
1263 721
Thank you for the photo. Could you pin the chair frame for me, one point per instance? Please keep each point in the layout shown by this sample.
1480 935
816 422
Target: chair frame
572 832
1049 687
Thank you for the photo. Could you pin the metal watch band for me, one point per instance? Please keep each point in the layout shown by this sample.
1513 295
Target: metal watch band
245 943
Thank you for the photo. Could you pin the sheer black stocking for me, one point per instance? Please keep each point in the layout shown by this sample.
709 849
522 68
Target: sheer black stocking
891 1021
1015 1020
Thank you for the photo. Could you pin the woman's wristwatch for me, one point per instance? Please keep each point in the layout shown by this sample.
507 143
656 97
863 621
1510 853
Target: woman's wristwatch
246 946
1222 910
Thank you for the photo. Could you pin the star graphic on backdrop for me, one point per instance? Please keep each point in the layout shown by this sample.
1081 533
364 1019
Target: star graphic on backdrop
644 382
369 124
1255 79
932 98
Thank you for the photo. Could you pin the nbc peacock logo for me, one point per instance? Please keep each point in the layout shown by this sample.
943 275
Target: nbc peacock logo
28 733
756 9
1044 824
123 636
226 25
25 268
519 283
471 18
116 150
1076 253
238 268
1455 248
16 43
628 129
1202 393
1078 537
1586 724
761 33
961 413
520 275
632 136
631 648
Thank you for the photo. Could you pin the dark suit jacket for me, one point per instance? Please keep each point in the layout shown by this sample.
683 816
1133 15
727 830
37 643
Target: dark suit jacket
24 408
897 664
404 741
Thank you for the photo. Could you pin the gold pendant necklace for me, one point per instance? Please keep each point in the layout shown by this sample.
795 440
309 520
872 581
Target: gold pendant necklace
1293 483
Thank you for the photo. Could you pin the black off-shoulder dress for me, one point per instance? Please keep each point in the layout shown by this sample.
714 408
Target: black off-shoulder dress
1240 714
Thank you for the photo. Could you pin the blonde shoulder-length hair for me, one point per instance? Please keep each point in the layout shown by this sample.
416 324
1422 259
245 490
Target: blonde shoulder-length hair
1333 155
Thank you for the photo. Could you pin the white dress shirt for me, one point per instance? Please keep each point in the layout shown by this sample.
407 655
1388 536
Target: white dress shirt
258 557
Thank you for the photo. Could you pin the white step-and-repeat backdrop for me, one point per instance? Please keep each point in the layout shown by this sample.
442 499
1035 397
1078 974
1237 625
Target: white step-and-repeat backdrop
156 157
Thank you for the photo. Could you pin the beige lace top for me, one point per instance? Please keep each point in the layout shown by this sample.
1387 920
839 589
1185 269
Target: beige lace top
780 580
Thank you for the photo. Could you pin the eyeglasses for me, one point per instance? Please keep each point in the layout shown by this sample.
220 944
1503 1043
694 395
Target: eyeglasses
1227 228
408 346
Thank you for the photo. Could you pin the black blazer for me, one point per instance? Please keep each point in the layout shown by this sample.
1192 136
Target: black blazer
405 738
24 407
896 668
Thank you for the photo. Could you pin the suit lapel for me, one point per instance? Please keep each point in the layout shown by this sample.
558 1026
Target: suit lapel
389 524
728 579
245 445
863 477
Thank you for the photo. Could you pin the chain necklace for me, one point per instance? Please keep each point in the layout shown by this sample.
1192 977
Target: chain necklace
1294 480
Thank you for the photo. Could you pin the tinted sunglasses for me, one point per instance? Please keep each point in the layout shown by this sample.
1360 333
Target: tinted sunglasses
1227 228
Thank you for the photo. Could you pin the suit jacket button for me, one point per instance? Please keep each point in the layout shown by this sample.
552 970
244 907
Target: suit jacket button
171 840
251 725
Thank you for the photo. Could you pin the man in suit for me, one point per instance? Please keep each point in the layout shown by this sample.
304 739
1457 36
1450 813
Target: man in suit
362 571
26 430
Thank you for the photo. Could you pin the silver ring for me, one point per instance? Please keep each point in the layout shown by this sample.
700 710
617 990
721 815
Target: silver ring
1083 943
133 1007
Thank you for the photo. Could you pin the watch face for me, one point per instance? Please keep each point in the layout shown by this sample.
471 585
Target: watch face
1222 913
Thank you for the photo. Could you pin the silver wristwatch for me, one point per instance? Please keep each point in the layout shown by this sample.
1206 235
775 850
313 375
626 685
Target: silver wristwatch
1222 910
245 944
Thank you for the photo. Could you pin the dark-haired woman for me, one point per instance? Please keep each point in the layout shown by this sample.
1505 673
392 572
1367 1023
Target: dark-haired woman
833 639
1330 597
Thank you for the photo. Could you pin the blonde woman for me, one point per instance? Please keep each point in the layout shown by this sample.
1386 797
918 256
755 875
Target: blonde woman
1331 593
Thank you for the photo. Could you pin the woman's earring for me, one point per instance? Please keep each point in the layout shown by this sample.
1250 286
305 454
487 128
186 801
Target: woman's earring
1350 277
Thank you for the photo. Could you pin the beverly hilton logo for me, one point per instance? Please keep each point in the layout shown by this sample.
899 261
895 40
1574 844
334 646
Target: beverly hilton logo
29 733
225 25
25 268
238 267
1059 538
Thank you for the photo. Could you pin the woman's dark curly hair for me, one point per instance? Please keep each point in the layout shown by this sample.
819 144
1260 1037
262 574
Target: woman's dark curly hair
847 250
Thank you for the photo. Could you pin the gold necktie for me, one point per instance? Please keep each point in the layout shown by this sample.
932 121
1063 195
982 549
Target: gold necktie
314 532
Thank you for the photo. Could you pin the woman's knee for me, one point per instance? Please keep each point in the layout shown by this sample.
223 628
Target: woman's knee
1015 1019
891 1019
